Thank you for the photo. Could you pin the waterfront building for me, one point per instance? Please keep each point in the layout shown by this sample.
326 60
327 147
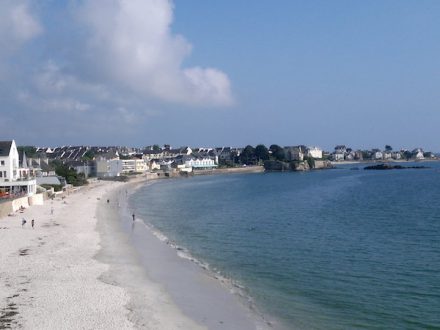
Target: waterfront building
296 153
418 154
15 179
377 155
108 167
314 152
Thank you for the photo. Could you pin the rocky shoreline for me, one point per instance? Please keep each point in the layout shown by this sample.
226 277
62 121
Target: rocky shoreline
381 167
296 166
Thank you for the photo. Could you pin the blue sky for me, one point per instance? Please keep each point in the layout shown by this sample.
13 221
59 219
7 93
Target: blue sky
205 73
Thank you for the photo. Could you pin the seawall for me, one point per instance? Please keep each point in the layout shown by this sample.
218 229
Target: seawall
14 205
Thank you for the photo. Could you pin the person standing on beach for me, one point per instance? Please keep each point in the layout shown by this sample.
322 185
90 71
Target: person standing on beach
23 222
134 217
32 223
51 211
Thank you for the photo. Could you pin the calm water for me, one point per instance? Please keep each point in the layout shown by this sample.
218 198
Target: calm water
322 250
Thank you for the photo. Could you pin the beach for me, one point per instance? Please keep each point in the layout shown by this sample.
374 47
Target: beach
80 267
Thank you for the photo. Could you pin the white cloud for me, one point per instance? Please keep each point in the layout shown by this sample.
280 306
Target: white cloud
130 42
100 62
17 24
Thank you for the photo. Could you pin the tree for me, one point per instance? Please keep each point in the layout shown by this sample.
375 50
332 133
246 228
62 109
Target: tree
407 154
156 147
247 156
310 161
388 148
277 152
261 152
73 178
30 151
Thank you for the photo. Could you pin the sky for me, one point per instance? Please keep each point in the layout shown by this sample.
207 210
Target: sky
220 73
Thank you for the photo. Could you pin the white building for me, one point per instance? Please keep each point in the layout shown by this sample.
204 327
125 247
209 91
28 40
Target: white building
377 155
418 154
15 180
198 163
133 166
387 155
338 156
314 152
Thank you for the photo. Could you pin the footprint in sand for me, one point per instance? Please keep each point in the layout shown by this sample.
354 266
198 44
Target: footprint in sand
23 252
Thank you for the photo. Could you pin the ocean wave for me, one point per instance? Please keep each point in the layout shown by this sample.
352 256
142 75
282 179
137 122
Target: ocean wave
232 285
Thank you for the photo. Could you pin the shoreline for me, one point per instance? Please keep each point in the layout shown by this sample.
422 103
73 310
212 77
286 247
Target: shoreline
353 162
199 293
81 267
149 305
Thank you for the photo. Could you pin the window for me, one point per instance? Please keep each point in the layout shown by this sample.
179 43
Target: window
2 162
1 174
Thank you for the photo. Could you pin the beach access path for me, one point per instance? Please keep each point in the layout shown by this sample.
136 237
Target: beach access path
50 277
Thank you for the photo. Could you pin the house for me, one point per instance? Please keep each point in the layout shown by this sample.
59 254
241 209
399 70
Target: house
358 155
387 155
340 153
154 165
166 165
296 153
418 154
350 156
377 154
314 152
15 178
200 163
396 155
340 149
338 156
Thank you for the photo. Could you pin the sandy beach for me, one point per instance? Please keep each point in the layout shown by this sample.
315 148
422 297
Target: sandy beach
80 268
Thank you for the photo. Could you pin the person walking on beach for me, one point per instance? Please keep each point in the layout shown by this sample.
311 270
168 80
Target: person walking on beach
134 217
23 222
51 211
32 223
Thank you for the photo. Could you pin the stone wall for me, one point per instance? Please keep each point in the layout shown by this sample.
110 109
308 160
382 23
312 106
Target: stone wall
12 206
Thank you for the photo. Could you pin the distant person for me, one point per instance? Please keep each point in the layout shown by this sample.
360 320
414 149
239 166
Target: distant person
108 201
134 217
23 222
51 211
32 223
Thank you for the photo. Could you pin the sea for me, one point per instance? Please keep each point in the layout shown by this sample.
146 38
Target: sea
345 248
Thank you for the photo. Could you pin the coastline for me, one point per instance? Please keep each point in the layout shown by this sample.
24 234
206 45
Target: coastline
198 294
81 268
354 162
148 306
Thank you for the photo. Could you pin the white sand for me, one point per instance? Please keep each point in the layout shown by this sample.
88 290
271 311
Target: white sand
50 278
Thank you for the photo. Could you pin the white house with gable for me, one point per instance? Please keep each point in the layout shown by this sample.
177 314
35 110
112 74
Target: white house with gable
15 178
314 152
